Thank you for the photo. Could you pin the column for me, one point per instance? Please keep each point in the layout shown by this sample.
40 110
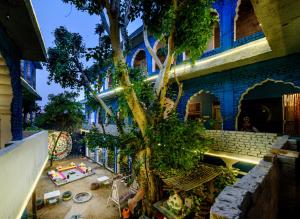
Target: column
97 154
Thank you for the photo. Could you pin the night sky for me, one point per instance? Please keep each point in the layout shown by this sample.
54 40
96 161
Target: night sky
54 13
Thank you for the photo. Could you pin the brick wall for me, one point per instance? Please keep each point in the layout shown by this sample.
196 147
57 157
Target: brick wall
243 143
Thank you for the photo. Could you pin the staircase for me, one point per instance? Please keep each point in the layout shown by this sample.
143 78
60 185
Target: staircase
5 101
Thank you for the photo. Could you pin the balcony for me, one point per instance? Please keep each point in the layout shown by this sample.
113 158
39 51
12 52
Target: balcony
21 166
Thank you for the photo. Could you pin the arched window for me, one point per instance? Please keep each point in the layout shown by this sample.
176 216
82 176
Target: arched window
245 23
139 59
216 35
214 42
261 108
205 106
109 81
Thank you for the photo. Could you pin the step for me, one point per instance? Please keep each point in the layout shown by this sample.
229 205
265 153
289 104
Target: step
5 99
5 110
4 70
5 89
2 61
5 79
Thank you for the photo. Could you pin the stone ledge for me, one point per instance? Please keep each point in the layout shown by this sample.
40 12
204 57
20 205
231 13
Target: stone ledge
234 201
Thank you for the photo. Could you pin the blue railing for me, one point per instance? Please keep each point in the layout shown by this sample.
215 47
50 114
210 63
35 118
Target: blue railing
248 39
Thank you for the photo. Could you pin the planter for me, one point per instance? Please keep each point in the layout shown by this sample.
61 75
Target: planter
39 204
95 186
82 197
66 196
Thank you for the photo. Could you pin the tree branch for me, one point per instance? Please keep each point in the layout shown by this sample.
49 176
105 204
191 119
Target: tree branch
104 22
120 66
161 83
102 103
101 123
124 33
180 91
89 87
150 49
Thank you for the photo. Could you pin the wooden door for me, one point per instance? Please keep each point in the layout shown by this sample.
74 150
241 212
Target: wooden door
291 114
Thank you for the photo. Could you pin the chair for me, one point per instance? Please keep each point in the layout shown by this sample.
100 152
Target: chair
115 196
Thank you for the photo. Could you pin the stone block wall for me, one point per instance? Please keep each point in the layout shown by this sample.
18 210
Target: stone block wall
253 196
242 143
289 192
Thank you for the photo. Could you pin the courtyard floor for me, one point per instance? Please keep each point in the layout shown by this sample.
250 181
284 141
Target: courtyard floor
95 208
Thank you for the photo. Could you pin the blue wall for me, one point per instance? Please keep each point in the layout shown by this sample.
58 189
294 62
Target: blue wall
227 11
228 86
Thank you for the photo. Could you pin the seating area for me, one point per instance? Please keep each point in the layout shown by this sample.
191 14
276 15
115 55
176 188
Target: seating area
55 205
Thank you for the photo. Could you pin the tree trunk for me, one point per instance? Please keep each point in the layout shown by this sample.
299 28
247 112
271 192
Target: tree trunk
120 64
146 177
55 145
147 181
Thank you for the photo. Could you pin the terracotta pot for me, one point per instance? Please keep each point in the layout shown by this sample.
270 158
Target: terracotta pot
125 213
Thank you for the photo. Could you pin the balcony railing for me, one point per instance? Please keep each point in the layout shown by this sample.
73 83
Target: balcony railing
21 165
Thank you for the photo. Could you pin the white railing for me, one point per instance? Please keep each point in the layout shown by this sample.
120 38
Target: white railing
21 165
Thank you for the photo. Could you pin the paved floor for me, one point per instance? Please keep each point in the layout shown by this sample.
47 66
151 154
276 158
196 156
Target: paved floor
95 208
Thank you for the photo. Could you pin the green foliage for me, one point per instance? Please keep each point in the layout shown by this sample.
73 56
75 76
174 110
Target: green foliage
226 177
29 104
192 21
91 6
195 27
63 59
177 144
94 139
143 90
62 113
32 128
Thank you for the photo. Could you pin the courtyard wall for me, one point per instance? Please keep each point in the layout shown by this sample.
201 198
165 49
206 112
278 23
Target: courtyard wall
241 143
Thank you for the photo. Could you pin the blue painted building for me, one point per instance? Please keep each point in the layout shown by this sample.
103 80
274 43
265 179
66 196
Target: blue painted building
245 77
29 93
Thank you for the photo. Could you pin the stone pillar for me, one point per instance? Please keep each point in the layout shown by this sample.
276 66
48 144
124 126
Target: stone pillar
226 24
86 151
227 107
97 154
116 160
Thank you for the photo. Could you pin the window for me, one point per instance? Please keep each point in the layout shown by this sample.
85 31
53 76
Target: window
139 60
246 22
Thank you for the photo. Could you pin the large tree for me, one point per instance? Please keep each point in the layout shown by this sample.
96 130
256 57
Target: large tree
183 26
63 114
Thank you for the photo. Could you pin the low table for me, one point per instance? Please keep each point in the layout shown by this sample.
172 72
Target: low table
103 179
52 197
